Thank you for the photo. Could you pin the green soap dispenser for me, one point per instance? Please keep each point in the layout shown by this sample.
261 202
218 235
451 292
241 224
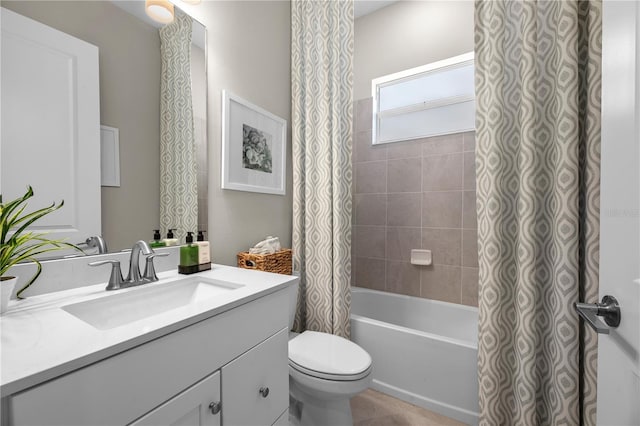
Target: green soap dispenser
188 256
157 240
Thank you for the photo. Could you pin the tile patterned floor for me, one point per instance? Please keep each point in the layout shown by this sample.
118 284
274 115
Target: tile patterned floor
372 408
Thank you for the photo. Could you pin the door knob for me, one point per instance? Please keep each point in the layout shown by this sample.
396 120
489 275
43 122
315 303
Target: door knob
215 407
264 391
609 309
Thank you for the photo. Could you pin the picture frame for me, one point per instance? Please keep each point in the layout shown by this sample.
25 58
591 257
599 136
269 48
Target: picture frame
254 147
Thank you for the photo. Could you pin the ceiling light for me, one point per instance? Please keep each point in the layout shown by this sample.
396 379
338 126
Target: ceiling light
159 10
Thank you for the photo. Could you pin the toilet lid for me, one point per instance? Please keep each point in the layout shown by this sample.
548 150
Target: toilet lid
325 355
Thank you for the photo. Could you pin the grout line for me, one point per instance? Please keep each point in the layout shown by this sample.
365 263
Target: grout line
386 222
421 215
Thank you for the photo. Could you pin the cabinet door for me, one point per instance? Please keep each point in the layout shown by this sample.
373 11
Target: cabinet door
193 407
255 386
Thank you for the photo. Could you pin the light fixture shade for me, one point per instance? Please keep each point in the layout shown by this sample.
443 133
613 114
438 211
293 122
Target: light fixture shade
159 10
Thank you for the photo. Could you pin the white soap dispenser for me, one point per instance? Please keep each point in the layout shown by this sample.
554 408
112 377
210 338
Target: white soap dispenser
204 253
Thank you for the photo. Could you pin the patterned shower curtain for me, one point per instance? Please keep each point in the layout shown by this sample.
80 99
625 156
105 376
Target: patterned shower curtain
178 175
322 98
538 167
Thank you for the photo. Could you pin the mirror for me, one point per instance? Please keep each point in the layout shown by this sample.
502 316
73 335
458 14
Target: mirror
129 90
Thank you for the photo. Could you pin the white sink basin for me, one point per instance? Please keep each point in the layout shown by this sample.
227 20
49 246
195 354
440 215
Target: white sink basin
146 301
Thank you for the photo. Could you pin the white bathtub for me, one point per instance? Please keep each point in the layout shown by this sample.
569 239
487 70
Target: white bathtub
424 351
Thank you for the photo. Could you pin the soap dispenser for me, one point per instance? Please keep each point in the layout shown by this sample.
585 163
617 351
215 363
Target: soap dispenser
188 256
204 254
157 240
171 240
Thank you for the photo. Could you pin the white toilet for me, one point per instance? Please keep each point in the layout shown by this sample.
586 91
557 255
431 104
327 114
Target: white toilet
325 371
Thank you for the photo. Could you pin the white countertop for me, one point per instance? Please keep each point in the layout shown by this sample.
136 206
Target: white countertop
40 341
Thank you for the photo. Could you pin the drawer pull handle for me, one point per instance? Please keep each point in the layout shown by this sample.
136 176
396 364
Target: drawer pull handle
215 407
264 391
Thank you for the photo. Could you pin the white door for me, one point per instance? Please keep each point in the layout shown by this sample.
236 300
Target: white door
619 352
50 131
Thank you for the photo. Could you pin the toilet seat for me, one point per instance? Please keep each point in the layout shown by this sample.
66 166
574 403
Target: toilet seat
328 357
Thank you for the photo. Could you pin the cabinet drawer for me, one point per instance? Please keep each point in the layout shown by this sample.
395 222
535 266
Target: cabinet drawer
190 408
122 388
255 386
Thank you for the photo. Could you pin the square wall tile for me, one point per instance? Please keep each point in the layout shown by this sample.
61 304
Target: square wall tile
408 149
442 209
470 286
441 282
370 241
404 209
370 273
353 269
470 171
363 114
404 175
371 177
445 245
438 145
469 141
470 247
370 209
442 172
400 242
365 151
403 278
469 213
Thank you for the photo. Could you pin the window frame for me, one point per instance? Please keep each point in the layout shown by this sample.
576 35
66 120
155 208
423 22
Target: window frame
378 83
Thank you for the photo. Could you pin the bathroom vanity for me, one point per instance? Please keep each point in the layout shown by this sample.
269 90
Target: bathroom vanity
210 349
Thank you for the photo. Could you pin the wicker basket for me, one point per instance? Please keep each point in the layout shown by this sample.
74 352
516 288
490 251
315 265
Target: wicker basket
279 262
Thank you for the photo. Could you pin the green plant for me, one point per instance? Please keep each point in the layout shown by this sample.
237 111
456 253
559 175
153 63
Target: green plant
17 244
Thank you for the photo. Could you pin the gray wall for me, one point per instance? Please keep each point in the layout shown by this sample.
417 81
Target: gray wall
129 100
248 46
408 34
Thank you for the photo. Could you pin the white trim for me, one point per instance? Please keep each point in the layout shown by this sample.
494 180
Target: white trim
109 156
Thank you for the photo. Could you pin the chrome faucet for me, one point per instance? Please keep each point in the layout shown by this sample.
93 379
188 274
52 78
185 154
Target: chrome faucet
134 278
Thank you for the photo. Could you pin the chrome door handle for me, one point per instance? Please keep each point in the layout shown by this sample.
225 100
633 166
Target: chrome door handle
215 407
609 309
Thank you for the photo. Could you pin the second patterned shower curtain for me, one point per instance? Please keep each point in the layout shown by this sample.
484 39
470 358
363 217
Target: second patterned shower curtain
538 170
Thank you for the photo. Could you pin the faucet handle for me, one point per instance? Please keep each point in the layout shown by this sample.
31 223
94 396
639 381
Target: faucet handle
115 280
149 268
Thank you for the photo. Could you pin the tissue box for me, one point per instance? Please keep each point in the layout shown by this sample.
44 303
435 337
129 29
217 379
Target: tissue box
279 262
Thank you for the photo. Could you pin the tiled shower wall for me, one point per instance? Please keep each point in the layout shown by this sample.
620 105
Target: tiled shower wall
411 195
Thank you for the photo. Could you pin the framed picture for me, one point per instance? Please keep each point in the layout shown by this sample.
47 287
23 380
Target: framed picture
254 143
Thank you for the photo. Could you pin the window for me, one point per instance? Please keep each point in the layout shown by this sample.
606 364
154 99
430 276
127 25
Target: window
434 99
